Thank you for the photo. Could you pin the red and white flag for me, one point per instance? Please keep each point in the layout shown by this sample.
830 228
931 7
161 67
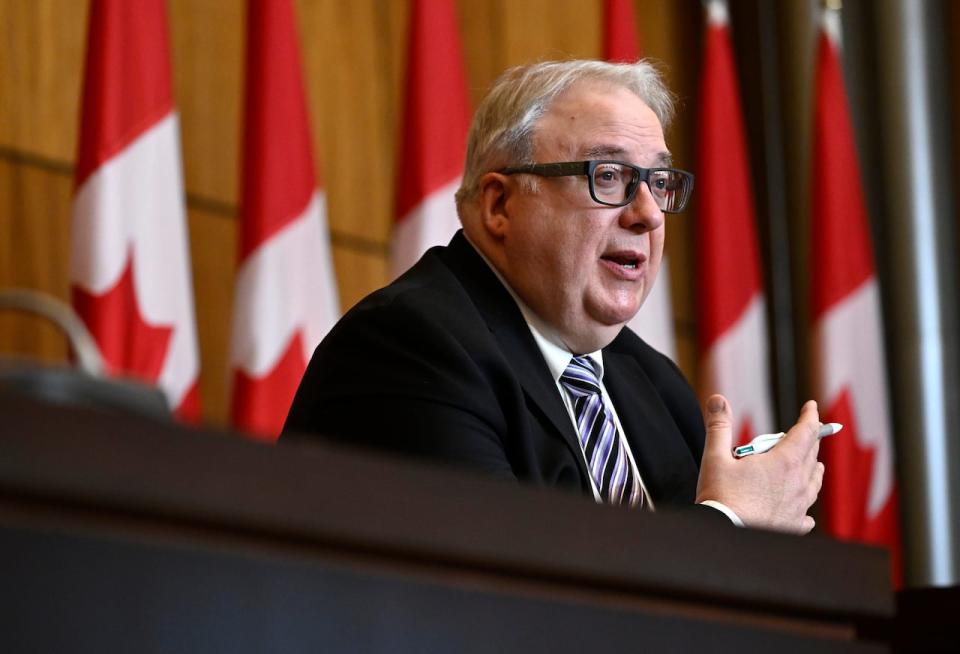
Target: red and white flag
286 294
130 272
732 317
436 118
859 496
654 321
620 42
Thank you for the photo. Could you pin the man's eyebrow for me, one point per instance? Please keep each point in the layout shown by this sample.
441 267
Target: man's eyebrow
603 151
662 160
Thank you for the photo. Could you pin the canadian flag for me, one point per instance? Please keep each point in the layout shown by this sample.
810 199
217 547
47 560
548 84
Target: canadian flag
654 321
286 297
620 42
435 122
732 317
859 496
130 273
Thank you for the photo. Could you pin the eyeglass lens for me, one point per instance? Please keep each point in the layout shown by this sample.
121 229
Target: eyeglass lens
616 184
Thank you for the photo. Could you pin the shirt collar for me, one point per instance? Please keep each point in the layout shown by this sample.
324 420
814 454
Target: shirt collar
554 352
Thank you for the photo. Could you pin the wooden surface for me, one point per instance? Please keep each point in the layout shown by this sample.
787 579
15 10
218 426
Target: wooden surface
129 480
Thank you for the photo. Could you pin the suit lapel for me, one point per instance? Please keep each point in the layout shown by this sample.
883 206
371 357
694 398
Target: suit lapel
512 333
530 368
664 461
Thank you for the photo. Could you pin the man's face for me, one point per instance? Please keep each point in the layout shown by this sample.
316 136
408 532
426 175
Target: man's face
585 268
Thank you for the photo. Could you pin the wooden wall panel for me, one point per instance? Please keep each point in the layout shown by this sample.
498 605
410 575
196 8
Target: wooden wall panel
213 247
482 42
363 271
34 220
349 52
354 56
549 29
41 56
207 41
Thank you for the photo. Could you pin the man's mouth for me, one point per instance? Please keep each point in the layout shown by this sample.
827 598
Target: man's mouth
627 265
630 261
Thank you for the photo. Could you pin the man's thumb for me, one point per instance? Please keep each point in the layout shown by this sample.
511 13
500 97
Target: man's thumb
719 421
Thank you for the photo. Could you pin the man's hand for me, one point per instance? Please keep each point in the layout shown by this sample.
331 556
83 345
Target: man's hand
773 490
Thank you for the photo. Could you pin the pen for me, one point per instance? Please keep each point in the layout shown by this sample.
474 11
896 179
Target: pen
764 442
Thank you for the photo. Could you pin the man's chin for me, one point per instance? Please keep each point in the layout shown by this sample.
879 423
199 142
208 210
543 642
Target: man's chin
595 340
616 316
596 337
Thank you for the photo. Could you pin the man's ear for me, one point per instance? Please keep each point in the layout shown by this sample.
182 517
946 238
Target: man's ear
494 191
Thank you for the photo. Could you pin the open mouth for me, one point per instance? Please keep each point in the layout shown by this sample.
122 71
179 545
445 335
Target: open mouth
628 261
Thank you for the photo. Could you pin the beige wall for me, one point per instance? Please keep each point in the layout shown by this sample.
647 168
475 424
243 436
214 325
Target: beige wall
353 54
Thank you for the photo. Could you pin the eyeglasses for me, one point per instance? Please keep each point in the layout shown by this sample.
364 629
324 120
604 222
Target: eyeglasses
615 183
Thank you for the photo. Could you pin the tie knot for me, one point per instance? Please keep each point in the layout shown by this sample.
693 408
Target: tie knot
580 377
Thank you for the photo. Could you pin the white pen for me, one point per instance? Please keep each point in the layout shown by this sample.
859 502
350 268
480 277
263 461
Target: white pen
764 442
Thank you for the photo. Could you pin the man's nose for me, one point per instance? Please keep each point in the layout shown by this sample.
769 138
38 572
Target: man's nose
643 214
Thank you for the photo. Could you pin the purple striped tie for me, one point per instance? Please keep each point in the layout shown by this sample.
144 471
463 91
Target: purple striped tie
608 461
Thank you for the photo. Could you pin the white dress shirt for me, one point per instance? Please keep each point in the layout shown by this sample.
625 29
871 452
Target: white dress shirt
558 358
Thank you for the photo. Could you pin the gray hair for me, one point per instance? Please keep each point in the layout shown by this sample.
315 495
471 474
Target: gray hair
502 130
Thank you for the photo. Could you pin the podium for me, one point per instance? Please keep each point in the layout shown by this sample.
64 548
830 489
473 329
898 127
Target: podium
125 534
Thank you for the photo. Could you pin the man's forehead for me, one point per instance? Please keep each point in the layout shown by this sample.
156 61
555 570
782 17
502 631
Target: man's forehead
599 120
601 98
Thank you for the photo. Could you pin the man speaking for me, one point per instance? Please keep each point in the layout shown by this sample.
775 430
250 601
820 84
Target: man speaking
506 351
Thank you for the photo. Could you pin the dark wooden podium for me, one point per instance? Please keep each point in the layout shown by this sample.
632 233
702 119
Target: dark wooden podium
120 534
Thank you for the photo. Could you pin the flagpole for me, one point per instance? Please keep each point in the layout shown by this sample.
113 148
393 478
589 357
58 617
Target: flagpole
923 291
779 251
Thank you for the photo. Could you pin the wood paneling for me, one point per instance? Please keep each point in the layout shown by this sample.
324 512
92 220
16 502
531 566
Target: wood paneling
34 219
354 55
213 246
350 52
359 272
482 42
41 56
207 40
549 29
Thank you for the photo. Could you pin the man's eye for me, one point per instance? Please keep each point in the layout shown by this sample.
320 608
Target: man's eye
608 176
664 183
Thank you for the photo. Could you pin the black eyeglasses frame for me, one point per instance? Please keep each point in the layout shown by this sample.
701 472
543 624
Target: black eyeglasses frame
587 168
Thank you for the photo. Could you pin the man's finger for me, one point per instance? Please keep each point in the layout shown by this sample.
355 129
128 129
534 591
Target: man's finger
814 450
810 417
719 422
818 475
804 434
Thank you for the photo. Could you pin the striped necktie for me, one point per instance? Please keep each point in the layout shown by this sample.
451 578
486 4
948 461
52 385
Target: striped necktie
602 448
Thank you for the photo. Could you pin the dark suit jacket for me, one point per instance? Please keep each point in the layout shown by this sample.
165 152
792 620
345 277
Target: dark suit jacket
441 364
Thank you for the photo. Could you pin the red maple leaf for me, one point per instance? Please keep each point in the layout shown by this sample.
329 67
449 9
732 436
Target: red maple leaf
846 488
260 404
129 345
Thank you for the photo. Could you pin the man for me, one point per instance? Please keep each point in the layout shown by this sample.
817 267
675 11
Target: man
506 350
